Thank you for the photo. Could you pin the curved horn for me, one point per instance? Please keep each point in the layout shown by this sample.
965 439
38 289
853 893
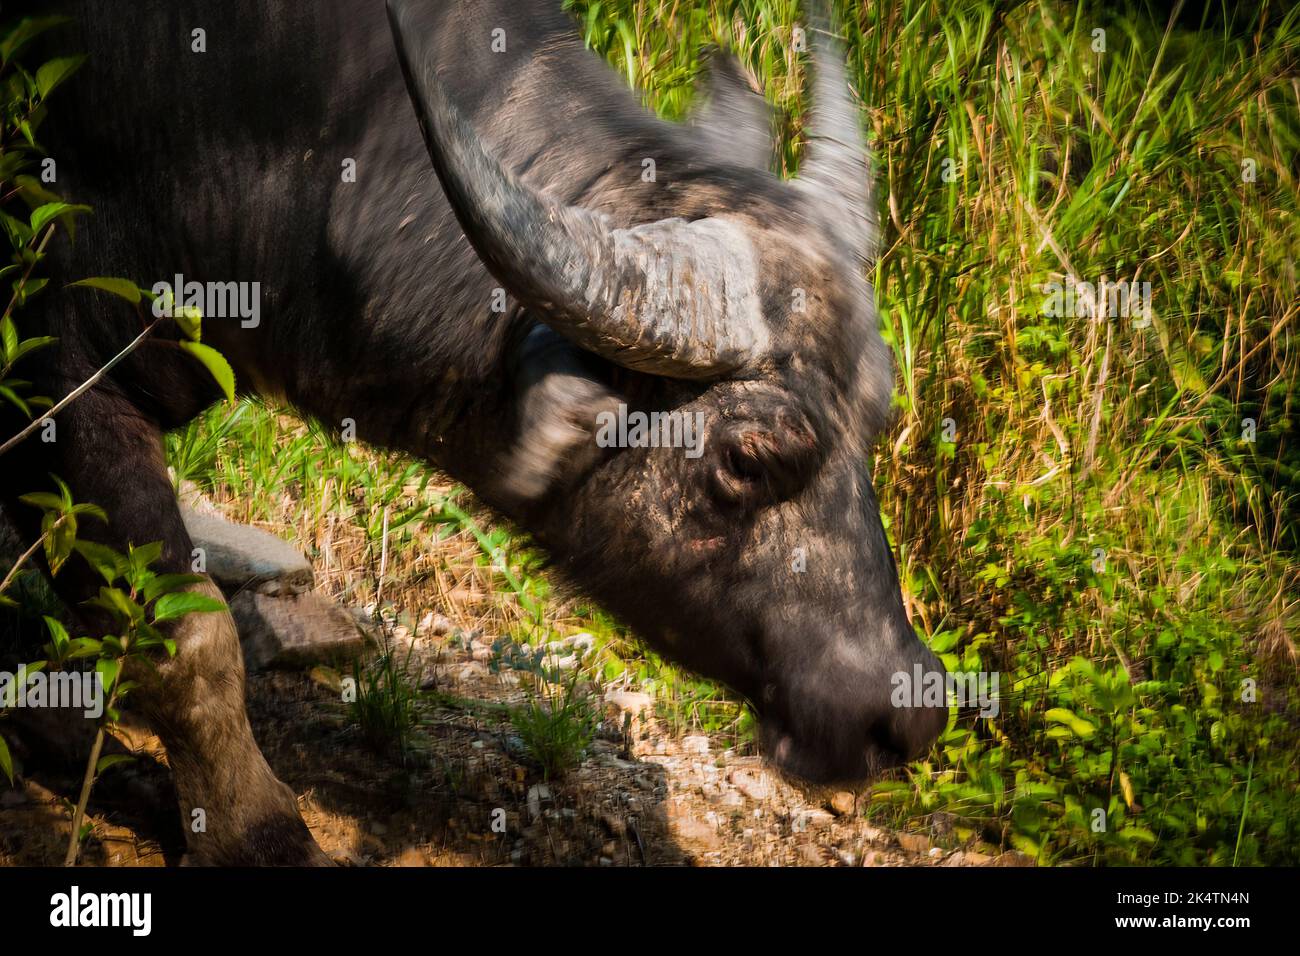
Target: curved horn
672 298
836 166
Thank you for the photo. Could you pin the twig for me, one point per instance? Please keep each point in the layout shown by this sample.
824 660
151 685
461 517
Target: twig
88 781
82 388
22 283
22 559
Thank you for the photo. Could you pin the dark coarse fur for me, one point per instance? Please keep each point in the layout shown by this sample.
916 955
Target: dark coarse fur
225 166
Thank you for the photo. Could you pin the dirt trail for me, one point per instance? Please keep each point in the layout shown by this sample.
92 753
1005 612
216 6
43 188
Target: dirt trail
467 798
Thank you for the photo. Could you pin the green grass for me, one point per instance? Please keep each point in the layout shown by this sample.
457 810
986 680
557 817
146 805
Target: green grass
383 703
557 732
1099 530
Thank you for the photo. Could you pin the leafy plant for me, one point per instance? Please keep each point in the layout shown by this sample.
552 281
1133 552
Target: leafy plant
556 728
385 702
135 599
138 602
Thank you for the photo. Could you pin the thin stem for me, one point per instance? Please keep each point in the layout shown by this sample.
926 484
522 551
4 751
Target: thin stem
27 273
82 388
88 781
22 559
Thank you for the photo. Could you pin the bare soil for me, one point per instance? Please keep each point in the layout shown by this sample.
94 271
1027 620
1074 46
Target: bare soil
466 797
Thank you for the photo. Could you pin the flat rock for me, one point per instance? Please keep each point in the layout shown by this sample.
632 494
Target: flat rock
295 630
239 557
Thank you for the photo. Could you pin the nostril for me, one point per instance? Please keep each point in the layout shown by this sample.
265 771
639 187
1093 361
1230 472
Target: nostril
919 729
906 734
881 736
884 747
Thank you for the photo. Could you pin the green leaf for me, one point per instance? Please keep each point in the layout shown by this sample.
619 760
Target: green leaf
80 647
58 634
42 215
8 336
6 761
216 364
102 558
24 289
945 641
166 583
180 603
31 345
122 288
111 760
34 191
119 604
44 500
140 558
54 72
108 669
12 396
95 511
190 322
25 32
18 231
61 535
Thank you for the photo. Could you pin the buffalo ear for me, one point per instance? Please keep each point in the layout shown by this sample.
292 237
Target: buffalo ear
735 123
559 398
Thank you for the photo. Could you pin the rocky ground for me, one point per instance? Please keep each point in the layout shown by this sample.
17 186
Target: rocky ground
466 792
661 801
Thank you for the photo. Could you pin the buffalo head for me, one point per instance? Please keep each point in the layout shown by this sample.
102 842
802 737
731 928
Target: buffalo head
757 556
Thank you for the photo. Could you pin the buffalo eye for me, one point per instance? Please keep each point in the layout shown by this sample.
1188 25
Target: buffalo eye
744 466
759 463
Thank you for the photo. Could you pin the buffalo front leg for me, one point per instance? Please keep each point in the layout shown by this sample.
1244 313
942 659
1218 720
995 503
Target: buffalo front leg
233 808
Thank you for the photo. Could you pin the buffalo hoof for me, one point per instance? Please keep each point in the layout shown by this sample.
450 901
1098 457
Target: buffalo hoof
283 842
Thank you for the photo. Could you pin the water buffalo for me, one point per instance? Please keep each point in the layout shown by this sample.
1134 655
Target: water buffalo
476 283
